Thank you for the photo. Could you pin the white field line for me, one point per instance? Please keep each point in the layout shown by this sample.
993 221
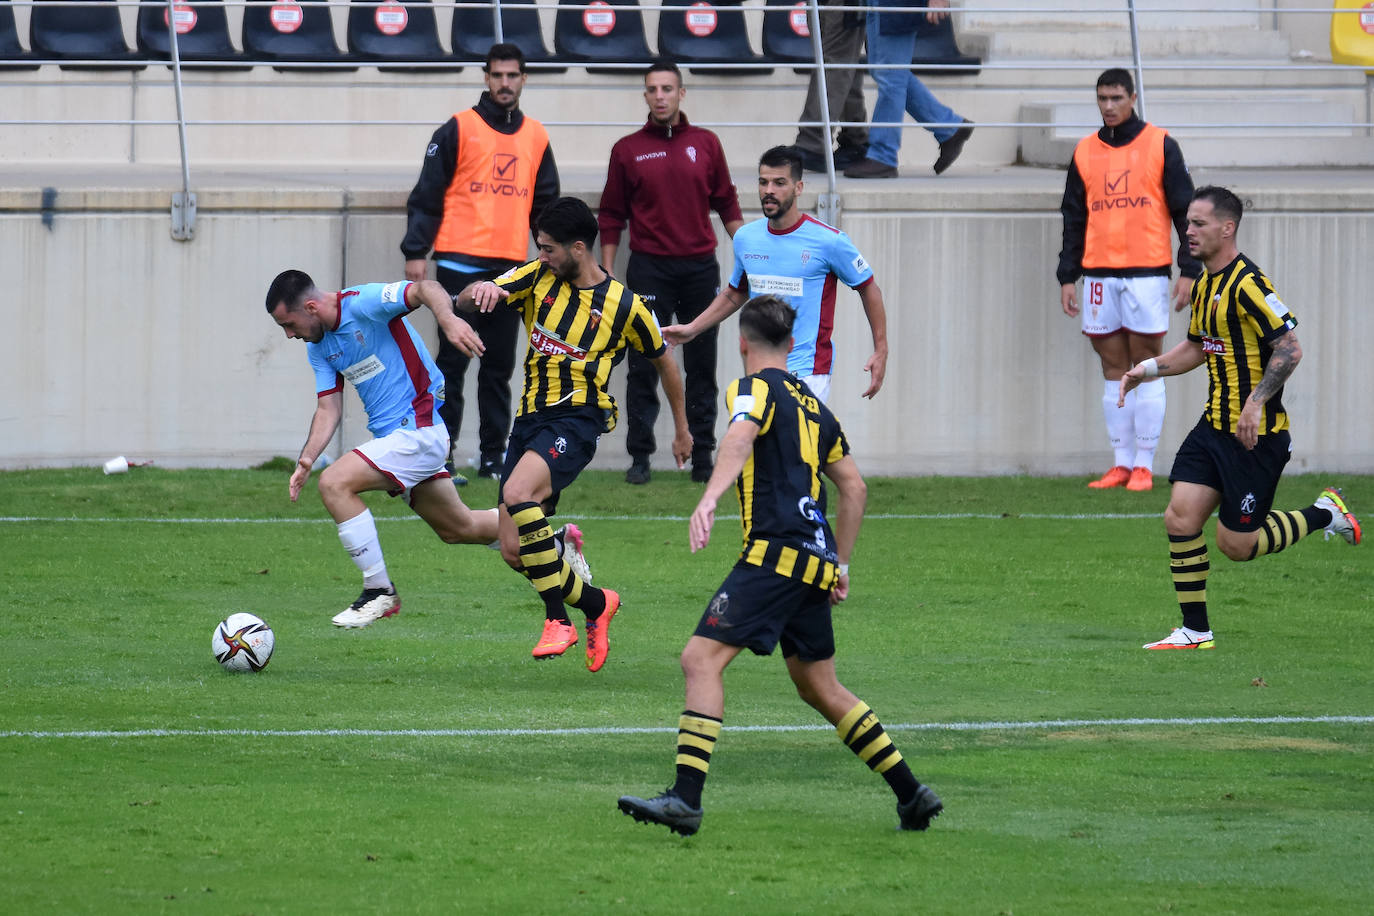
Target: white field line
630 730
931 516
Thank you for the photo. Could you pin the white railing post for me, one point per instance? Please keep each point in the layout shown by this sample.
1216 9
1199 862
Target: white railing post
828 201
1139 66
183 202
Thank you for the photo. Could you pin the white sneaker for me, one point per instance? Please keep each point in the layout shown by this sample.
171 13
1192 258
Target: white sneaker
1184 638
1343 523
571 536
372 604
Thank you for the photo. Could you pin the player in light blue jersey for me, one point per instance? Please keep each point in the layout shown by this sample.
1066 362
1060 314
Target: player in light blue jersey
799 259
361 335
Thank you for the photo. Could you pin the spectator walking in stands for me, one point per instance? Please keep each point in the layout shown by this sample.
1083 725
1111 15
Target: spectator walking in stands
664 180
842 42
892 40
487 173
1127 184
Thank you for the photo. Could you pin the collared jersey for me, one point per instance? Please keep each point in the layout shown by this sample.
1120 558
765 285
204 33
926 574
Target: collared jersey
374 347
1236 317
801 266
575 335
781 494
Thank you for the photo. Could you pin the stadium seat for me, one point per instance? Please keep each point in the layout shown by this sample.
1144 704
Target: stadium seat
787 34
81 31
401 32
474 33
12 53
935 44
202 36
290 33
611 32
709 33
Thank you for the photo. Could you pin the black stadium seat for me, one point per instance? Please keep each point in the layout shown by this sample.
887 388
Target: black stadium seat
81 31
708 33
395 32
608 32
787 33
12 53
202 36
291 33
474 32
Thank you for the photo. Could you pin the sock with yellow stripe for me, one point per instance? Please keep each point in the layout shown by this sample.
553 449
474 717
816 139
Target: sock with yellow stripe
539 557
696 739
1283 529
1189 566
863 734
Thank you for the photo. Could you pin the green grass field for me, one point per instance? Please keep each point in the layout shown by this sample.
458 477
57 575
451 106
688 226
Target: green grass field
427 764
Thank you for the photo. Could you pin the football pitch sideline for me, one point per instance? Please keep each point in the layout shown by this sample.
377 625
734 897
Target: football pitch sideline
428 764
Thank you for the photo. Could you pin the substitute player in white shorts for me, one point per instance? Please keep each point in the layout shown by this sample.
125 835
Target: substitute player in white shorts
1125 317
361 335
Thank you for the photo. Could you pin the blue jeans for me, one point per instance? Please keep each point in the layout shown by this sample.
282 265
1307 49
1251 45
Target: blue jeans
900 90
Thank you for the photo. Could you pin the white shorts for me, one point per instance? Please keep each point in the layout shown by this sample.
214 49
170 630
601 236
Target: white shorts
1136 304
408 457
819 385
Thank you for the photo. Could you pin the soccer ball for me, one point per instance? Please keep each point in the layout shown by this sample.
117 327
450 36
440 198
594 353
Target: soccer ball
242 642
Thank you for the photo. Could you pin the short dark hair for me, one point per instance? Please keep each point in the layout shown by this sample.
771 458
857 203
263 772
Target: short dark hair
767 319
504 50
568 220
664 65
289 288
1224 203
783 155
1116 76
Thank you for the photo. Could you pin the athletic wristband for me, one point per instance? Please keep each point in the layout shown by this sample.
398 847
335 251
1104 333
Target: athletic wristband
844 568
1149 368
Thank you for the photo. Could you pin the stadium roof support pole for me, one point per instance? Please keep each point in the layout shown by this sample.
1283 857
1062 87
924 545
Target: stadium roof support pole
1135 57
827 202
496 31
183 202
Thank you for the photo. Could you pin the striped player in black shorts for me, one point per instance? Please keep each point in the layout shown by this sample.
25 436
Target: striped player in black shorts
1231 462
793 567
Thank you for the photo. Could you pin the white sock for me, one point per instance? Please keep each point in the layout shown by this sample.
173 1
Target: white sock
359 537
1120 422
1149 420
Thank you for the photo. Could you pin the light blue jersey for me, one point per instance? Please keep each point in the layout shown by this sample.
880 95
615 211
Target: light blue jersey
800 266
376 349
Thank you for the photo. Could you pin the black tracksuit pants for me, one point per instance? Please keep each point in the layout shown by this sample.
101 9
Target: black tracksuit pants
500 332
678 290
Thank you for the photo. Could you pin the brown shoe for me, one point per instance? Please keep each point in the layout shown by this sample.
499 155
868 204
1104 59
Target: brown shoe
951 148
870 168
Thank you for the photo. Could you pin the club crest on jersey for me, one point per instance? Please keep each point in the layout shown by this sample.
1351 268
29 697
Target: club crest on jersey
594 319
805 255
358 336
692 153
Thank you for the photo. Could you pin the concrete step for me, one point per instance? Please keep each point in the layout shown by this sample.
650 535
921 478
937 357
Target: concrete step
1260 137
1114 43
1092 14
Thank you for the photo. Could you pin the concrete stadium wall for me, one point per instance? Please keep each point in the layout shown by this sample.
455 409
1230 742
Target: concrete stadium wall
123 341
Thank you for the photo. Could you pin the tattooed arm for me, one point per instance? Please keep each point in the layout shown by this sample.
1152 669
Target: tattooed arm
1282 361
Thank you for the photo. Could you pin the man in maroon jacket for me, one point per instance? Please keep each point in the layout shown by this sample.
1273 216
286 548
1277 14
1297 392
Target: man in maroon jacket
665 179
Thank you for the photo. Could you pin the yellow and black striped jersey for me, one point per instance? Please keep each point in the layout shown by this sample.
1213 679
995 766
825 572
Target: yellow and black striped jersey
575 335
781 494
1236 317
